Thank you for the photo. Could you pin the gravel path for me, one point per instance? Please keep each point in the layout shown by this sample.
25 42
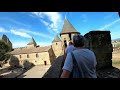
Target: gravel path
35 72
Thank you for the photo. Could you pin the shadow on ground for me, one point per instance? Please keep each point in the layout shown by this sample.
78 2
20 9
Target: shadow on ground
14 72
112 72
22 76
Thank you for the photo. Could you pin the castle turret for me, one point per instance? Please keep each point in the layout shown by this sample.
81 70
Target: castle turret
57 46
32 43
68 31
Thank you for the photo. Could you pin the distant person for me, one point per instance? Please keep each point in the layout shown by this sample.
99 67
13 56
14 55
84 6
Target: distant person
65 43
69 49
85 61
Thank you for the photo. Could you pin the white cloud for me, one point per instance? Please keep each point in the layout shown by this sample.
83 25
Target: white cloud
14 21
110 24
19 44
39 14
55 20
3 30
22 34
44 22
35 33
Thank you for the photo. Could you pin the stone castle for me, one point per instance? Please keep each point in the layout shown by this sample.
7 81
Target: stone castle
97 41
44 55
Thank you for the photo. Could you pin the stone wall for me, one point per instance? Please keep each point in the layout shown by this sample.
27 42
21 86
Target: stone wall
30 46
52 56
55 70
100 43
57 48
44 56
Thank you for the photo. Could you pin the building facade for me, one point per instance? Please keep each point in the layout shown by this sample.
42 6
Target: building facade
34 54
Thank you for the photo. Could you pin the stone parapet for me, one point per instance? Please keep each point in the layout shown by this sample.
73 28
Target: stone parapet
100 43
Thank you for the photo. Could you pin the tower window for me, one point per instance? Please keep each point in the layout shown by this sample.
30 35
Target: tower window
56 43
27 56
70 36
65 43
37 55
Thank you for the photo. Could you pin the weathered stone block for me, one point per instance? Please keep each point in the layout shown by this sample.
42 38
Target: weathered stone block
100 43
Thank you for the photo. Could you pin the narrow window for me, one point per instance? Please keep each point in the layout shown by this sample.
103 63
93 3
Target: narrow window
27 56
45 62
65 43
56 44
70 36
37 55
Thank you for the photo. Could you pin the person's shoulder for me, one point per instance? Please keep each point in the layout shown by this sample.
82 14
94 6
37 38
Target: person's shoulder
75 51
90 50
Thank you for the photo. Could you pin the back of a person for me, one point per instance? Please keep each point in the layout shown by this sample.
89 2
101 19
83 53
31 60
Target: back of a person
87 62
85 67
69 49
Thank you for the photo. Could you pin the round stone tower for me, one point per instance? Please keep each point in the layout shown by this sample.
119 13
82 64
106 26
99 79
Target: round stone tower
57 46
68 31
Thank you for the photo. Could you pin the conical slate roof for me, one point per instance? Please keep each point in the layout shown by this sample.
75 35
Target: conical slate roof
56 39
32 41
68 28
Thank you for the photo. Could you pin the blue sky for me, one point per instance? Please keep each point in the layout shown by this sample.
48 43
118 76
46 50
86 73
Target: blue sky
43 26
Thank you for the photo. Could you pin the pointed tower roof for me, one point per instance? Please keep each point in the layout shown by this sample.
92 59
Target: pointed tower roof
32 41
56 39
68 27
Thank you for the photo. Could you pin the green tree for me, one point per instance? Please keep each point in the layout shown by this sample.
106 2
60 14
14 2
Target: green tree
4 49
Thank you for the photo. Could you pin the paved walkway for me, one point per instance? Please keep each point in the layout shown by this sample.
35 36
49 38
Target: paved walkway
36 72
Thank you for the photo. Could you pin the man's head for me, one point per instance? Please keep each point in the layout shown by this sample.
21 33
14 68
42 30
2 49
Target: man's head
79 40
70 43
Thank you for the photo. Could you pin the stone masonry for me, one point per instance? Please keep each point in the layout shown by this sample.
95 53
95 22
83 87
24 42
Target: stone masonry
100 43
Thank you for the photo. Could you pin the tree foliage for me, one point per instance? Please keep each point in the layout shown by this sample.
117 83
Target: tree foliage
4 48
14 62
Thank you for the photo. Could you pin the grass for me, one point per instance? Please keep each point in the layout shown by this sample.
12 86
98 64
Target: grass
116 64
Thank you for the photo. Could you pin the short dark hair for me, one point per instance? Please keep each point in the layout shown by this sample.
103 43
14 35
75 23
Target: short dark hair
70 43
78 40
